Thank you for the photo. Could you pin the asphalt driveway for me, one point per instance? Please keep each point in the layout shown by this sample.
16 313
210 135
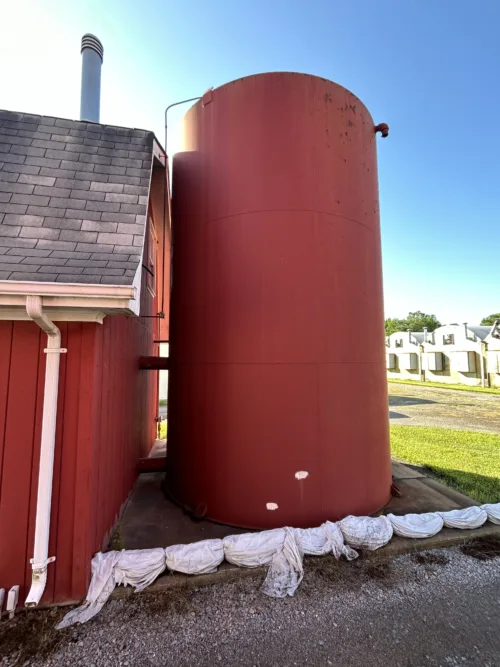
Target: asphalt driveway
445 408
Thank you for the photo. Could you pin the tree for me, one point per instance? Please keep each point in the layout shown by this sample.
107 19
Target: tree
490 320
415 321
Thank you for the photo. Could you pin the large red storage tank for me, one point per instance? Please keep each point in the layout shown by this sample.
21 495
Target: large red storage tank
278 410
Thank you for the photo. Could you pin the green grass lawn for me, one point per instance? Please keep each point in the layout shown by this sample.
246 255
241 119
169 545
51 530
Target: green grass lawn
163 430
443 385
465 460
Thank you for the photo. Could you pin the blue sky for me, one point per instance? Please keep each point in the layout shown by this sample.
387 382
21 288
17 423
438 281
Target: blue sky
429 68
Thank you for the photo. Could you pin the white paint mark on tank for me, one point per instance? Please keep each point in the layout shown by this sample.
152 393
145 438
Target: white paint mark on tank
271 506
301 474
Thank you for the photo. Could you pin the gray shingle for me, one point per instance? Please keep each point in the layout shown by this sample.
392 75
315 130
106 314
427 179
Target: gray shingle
43 162
122 198
122 239
27 150
46 210
104 169
77 166
91 263
37 180
16 242
78 236
132 208
115 280
62 223
17 219
93 247
107 187
73 184
47 261
6 266
125 180
104 271
124 249
99 226
73 199
13 208
55 245
30 200
58 173
70 255
16 188
135 190
75 270
21 168
95 159
118 217
124 228
9 177
104 206
20 141
108 256
29 252
52 192
11 259
39 277
79 213
89 195
39 233
84 176
79 279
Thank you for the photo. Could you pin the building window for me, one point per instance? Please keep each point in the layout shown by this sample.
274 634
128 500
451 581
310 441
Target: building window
399 342
449 339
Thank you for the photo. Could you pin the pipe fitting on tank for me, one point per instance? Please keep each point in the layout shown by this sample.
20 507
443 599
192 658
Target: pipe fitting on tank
383 128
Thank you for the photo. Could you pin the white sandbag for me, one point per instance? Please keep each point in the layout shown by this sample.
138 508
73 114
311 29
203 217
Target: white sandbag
365 532
286 571
196 558
471 517
313 541
253 549
493 512
139 567
101 586
416 525
336 543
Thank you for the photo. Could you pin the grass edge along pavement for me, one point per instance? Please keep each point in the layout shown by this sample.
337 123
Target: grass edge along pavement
467 461
445 385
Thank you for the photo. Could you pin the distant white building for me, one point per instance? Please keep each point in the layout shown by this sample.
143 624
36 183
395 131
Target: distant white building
403 355
456 354
493 355
163 393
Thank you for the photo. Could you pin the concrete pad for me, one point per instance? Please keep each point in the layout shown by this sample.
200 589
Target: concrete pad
402 471
151 520
417 496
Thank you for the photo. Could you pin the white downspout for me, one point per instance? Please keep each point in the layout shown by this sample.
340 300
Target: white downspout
40 558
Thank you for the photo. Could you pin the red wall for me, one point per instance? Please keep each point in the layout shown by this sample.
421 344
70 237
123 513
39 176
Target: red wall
105 423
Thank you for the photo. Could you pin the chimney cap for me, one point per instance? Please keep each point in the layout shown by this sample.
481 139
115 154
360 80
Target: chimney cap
90 41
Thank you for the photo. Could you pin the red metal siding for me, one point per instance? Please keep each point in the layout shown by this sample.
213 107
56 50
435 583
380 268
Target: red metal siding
106 413
277 345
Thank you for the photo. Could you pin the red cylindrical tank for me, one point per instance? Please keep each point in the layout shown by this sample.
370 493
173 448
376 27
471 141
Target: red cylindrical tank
278 410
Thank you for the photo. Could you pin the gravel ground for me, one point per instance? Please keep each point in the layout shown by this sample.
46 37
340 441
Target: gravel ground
444 408
431 609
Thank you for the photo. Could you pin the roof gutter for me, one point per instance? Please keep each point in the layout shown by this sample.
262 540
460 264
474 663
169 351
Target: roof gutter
104 298
41 560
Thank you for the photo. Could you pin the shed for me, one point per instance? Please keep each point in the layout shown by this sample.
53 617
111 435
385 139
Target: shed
455 354
84 249
404 355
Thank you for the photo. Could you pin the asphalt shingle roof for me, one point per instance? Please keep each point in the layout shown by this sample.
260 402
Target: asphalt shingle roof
73 199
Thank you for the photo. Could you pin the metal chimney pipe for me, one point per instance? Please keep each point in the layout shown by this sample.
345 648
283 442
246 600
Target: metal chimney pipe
92 55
